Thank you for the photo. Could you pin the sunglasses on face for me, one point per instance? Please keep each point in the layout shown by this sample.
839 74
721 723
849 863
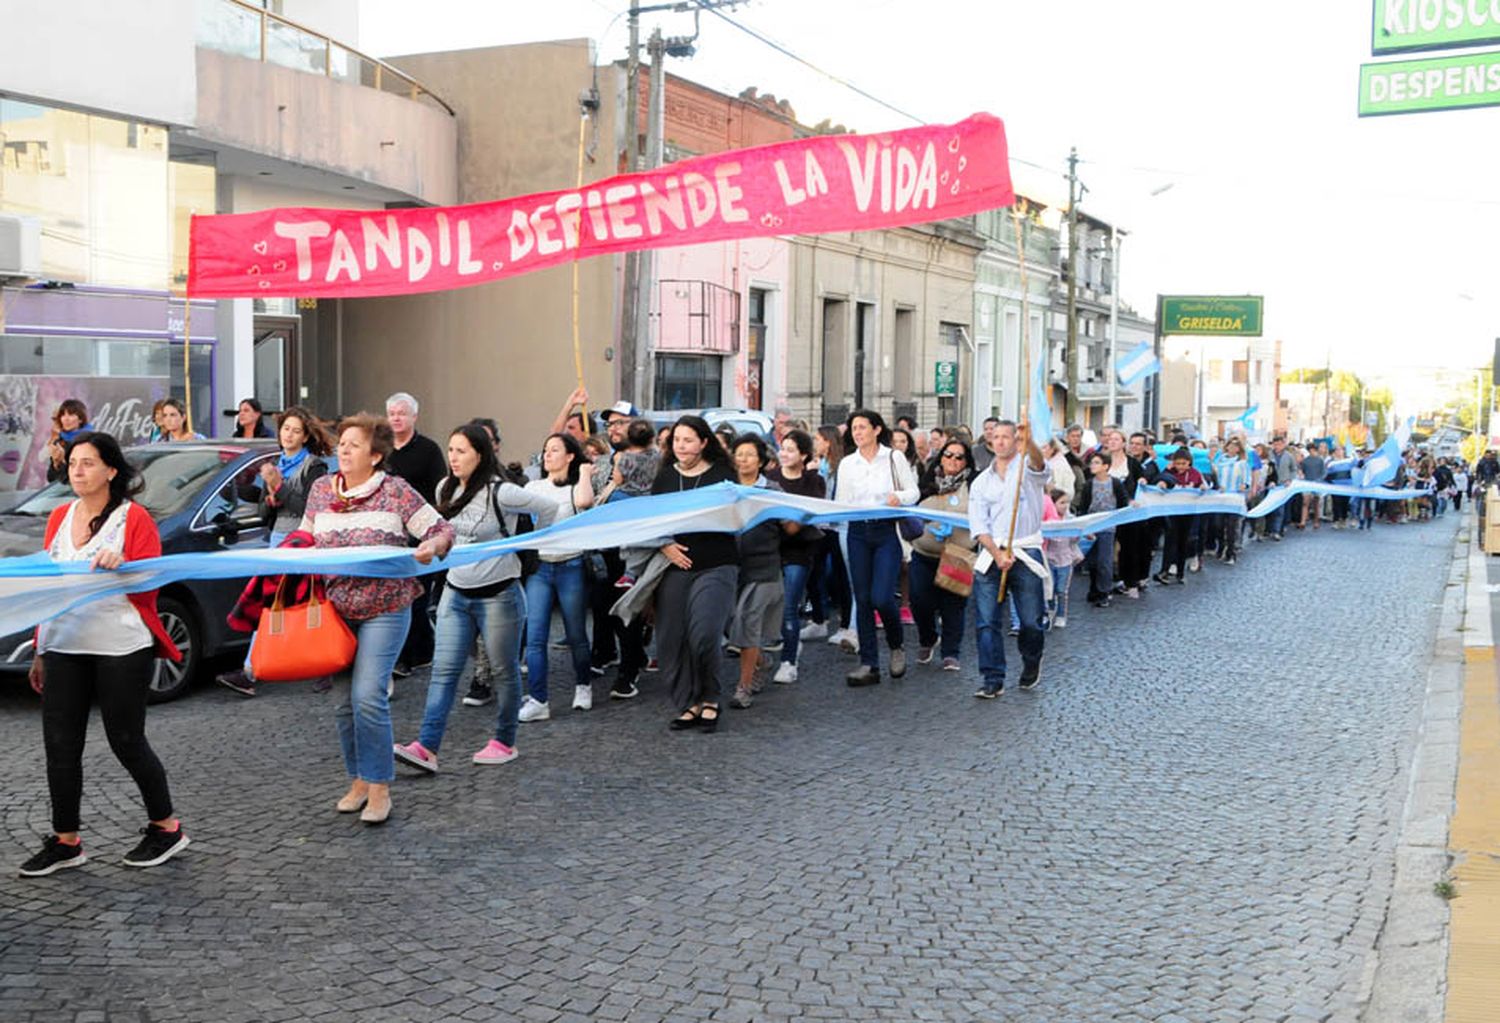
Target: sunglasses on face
954 454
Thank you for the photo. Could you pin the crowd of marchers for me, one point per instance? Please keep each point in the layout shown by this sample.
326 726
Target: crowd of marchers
716 617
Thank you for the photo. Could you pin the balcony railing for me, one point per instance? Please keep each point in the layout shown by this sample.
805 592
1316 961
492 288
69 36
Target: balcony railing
233 26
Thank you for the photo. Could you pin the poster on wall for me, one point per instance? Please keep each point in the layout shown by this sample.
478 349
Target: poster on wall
118 406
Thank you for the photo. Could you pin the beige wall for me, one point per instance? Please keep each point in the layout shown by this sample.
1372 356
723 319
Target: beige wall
503 349
918 269
407 146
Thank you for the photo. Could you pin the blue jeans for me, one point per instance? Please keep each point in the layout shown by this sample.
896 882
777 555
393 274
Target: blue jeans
939 615
1101 562
794 578
497 620
364 715
875 571
1276 520
1025 588
559 582
1062 578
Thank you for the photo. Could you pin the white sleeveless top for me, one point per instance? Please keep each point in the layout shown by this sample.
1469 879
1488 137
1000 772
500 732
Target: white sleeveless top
107 627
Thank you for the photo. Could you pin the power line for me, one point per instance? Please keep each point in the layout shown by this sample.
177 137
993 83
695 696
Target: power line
773 44
838 80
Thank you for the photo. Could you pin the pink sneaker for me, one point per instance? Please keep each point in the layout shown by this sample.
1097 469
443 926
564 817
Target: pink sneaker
414 754
496 752
906 618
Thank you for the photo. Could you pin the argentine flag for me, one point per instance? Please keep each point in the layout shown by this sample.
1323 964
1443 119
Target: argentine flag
1140 361
1380 468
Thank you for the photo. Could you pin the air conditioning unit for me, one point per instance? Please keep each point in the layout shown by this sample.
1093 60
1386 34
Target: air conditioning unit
20 246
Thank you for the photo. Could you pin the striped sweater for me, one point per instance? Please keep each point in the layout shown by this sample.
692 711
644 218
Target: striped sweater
383 512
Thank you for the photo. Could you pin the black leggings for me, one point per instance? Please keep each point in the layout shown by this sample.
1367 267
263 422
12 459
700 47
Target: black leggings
72 684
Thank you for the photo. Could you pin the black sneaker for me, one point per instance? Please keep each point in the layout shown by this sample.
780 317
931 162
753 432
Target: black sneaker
1031 675
240 681
401 670
54 856
989 692
479 694
864 675
157 847
623 689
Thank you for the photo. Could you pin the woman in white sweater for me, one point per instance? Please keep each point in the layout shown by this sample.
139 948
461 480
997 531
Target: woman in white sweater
486 599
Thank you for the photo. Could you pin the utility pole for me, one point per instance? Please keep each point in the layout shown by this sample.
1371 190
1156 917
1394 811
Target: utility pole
1070 353
635 316
629 339
645 281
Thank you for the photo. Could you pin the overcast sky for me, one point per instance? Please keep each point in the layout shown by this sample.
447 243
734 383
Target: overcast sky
1375 241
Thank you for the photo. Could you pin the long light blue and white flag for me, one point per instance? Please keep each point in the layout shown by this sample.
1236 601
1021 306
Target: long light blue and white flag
1139 362
35 588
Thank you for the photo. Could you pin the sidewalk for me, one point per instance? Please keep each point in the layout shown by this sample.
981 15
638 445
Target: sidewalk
1474 833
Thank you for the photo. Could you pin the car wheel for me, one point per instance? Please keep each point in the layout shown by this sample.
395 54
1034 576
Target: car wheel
169 679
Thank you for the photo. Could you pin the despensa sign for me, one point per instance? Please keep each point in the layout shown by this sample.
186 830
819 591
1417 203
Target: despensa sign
808 186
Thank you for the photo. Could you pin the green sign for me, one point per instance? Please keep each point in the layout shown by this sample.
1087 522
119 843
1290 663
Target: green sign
945 381
1223 316
1436 83
1404 25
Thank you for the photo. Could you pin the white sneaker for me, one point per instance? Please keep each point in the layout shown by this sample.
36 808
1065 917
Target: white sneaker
837 636
583 697
814 630
1195 564
848 639
786 674
1060 622
533 710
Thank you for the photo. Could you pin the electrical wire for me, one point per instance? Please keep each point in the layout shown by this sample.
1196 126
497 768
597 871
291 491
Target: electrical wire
838 80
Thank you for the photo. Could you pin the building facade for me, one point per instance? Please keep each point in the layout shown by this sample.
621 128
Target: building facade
186 108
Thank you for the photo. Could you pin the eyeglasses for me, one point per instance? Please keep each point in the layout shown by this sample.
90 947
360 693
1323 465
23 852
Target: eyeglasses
954 454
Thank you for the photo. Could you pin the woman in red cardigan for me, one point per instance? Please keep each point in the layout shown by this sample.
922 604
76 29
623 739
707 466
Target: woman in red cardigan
101 652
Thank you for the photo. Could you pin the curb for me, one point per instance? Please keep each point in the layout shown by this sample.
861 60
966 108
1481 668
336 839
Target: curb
1405 980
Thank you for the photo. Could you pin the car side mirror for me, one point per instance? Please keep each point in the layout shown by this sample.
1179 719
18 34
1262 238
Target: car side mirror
225 528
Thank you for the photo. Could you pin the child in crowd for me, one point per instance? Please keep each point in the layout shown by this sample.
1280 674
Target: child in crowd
1062 554
635 471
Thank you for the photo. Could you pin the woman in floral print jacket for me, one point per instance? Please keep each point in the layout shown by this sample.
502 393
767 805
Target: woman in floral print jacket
363 506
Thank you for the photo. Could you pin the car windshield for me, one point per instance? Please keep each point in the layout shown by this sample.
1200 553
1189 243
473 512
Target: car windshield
172 477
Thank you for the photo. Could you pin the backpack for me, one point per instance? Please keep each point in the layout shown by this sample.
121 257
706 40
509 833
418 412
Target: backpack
530 560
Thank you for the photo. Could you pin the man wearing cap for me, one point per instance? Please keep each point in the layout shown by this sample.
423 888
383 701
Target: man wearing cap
614 641
616 419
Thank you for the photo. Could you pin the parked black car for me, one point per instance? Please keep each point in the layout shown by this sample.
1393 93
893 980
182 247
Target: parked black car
201 494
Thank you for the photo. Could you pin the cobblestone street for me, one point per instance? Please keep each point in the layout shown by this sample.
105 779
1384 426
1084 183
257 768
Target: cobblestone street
1192 818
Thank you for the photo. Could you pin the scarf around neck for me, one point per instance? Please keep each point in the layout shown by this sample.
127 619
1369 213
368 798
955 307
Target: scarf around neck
344 500
288 465
66 436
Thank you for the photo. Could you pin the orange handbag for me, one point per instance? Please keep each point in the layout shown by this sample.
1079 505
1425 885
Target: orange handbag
304 641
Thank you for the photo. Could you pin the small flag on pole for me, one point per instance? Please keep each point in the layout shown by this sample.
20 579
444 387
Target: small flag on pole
1140 361
1039 410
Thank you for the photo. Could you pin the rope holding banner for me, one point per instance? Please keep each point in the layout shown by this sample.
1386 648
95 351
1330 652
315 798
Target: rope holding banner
187 343
583 120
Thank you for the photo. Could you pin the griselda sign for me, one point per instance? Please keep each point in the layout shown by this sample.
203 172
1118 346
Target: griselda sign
807 186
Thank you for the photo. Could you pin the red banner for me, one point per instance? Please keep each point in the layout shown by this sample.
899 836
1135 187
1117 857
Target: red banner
809 186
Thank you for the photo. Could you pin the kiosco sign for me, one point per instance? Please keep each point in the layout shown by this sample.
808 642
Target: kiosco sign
1212 315
1404 25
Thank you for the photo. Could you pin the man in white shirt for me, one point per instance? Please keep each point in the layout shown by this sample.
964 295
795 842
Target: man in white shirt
1014 544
